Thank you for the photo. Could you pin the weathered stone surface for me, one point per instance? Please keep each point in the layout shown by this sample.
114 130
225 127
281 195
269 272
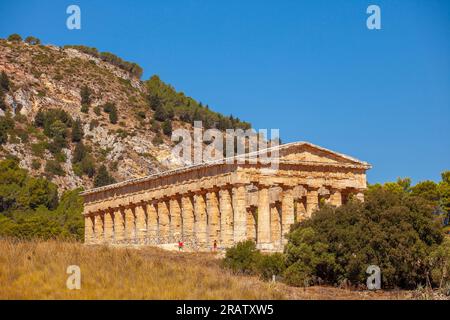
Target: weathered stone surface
226 203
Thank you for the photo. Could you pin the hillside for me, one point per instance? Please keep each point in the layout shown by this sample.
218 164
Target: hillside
66 111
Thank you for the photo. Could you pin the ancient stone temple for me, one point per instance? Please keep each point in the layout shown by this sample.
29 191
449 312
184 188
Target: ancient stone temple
223 202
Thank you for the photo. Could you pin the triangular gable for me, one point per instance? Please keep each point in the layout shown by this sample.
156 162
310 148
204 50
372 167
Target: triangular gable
305 151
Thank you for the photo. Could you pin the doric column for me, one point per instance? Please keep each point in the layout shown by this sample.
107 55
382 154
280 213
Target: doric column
239 213
212 209
360 196
263 238
335 197
275 225
88 229
119 219
187 212
175 218
141 222
130 224
250 233
312 200
109 226
163 216
200 218
287 211
99 228
226 218
152 222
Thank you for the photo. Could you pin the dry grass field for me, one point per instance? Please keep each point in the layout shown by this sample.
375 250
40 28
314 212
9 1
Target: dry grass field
37 270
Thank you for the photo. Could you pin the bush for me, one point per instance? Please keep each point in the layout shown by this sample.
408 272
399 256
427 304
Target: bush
270 265
242 258
53 167
84 108
85 94
393 230
158 139
167 127
32 40
77 131
103 178
14 37
4 82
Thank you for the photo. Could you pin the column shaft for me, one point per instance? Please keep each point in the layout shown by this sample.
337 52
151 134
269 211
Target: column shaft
226 218
99 228
130 225
264 239
164 227
287 212
335 197
200 218
312 201
152 223
141 222
239 213
175 219
109 227
88 229
212 208
275 224
187 212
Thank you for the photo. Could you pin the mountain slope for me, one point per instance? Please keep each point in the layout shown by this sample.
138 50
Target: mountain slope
68 111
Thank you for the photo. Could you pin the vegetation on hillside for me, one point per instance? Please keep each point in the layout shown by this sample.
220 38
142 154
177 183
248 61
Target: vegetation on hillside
169 104
30 208
398 228
130 67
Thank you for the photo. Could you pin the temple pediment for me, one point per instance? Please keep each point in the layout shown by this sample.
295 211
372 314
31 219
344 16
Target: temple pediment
308 152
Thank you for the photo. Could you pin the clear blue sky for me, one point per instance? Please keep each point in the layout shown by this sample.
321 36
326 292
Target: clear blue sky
310 68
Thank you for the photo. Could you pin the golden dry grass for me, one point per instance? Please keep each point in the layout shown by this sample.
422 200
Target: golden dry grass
37 270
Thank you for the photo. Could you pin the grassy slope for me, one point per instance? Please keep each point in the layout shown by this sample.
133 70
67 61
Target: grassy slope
37 270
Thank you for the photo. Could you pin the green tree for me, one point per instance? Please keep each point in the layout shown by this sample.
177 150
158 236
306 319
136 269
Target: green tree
167 127
77 131
103 177
427 190
79 153
14 37
6 125
161 114
113 115
394 230
85 94
4 81
32 40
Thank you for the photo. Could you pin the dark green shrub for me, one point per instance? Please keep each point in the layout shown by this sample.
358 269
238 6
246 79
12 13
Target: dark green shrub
53 167
270 265
242 258
14 37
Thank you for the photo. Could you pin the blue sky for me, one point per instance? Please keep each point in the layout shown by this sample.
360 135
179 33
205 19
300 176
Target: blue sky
310 68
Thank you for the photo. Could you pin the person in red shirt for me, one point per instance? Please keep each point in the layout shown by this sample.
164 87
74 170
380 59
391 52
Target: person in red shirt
180 245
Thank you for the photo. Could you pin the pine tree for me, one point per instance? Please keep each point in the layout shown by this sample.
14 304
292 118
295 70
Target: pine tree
4 81
85 94
77 131
167 127
113 115
103 178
